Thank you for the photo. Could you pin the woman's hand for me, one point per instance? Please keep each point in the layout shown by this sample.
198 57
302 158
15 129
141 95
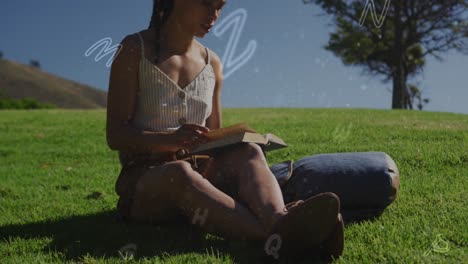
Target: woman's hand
190 135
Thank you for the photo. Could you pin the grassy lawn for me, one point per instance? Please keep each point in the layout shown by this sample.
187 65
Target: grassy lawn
57 176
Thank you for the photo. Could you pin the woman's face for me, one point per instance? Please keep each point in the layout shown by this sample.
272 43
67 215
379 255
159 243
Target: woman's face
198 16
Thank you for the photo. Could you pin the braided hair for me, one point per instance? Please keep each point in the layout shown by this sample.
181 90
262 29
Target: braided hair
161 11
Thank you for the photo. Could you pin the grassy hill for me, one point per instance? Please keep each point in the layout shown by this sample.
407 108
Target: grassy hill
18 81
57 176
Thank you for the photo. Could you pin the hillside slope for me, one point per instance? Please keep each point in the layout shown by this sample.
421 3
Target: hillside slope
18 81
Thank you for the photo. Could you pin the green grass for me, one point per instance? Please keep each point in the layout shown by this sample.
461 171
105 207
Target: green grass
57 177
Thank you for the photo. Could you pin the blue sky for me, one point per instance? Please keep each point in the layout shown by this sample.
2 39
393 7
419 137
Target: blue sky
276 57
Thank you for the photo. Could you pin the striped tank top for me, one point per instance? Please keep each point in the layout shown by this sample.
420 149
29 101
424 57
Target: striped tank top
164 106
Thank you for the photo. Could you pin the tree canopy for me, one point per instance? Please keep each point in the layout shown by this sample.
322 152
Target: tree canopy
392 38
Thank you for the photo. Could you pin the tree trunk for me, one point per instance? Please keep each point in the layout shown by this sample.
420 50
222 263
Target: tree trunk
399 88
406 94
400 92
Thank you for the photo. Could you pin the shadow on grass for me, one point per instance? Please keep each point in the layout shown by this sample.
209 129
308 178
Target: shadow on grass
102 235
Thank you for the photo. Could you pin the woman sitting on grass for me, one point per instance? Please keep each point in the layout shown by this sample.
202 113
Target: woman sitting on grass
164 94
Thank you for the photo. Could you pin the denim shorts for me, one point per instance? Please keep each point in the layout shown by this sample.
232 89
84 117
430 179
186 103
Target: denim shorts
128 178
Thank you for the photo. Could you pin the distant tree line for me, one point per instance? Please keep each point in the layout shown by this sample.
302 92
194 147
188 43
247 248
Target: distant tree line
33 63
25 103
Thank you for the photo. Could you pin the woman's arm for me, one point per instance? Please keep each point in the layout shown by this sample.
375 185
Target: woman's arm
121 99
214 121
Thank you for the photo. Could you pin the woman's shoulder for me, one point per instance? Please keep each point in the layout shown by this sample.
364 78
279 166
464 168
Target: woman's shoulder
133 43
214 58
143 32
216 65
133 38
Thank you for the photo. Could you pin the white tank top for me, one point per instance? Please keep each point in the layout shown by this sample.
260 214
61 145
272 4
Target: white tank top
164 106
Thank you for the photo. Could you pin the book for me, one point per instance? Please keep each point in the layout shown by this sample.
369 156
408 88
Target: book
222 138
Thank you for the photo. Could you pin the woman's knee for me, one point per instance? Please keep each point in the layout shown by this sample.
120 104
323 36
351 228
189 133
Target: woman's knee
166 179
252 151
183 174
183 180
247 151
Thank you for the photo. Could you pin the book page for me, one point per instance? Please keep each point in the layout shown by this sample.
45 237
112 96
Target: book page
223 132
230 140
274 142
273 139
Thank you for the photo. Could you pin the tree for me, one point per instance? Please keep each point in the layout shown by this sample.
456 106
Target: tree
1 54
35 63
416 94
395 43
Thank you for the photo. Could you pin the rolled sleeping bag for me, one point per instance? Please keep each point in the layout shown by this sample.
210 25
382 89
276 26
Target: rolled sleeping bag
365 182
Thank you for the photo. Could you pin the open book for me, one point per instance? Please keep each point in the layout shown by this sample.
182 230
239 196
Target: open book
228 136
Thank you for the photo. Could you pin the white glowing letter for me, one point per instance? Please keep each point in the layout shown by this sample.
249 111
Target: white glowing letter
237 20
107 50
378 21
272 245
197 217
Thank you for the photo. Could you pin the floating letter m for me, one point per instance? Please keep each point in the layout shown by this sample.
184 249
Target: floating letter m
107 49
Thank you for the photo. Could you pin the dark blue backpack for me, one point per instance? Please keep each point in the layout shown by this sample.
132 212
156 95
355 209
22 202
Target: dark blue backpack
365 182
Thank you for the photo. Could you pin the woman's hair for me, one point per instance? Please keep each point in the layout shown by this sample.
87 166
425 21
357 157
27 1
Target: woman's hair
161 11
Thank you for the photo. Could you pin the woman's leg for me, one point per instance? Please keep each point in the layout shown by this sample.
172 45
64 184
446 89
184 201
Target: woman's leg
245 169
175 185
308 224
